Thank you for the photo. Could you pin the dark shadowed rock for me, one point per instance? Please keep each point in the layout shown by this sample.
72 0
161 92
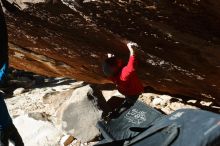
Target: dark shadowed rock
3 38
179 41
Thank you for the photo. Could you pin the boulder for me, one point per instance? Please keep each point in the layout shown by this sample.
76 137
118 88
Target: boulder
18 91
36 132
179 41
78 115
157 101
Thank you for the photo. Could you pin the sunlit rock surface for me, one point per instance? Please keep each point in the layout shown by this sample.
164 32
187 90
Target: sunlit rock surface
179 41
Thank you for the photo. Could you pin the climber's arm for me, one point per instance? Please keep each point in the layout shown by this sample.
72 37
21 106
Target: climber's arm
130 67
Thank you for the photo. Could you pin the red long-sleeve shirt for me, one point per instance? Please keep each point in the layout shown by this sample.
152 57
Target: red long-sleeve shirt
127 80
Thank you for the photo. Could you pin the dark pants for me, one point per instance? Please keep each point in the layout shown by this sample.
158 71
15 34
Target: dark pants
119 105
117 102
10 134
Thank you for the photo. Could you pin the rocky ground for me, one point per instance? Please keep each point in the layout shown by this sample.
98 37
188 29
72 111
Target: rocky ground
35 103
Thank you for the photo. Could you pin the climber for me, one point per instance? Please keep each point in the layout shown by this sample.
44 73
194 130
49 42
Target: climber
8 131
125 78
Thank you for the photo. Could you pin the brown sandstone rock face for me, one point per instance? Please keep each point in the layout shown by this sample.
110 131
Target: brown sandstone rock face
179 41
